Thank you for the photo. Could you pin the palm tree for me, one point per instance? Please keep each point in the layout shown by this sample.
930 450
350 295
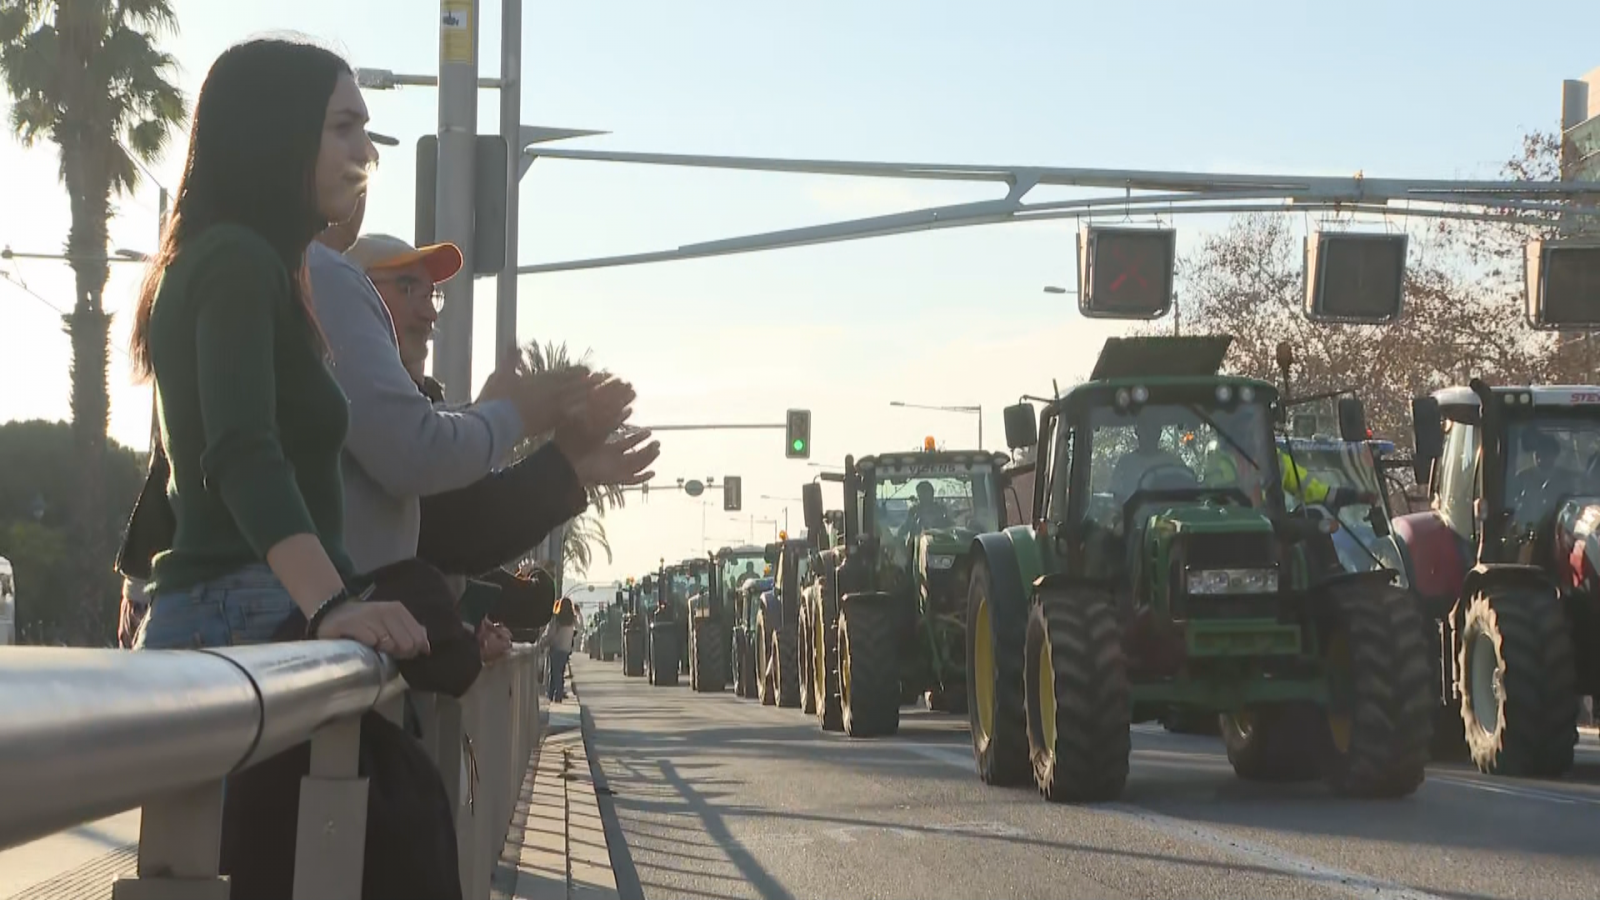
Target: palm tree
582 537
87 76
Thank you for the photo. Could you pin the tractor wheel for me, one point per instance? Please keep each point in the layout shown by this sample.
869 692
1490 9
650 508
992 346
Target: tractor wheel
632 654
664 654
806 636
1078 698
1517 680
766 678
748 664
869 668
1279 742
996 710
825 659
710 657
738 663
788 677
1379 716
694 652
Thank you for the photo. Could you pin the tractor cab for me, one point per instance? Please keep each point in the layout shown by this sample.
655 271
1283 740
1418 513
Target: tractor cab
735 564
1159 458
920 511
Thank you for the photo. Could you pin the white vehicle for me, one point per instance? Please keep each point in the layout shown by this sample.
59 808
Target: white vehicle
8 604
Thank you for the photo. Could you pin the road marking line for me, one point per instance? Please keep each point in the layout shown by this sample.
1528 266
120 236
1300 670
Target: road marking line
1512 790
1351 883
1266 857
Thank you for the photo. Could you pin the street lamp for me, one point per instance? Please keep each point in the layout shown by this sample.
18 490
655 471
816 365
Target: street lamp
974 410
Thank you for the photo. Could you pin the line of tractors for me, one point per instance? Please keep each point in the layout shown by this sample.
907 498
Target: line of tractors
1170 544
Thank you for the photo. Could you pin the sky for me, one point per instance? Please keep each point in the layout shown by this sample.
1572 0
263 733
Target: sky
957 317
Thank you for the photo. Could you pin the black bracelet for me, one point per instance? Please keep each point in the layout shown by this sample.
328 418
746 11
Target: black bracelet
328 606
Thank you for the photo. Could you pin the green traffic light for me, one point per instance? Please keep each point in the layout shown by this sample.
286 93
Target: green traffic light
799 444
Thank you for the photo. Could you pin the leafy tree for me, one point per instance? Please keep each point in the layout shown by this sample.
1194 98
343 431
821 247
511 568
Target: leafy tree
37 479
88 76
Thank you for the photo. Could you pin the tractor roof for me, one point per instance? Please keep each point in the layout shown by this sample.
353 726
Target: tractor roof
1540 395
918 458
1161 356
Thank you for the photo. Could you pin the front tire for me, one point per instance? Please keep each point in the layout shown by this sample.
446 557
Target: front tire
664 654
1518 682
710 657
1380 723
1078 697
869 669
996 702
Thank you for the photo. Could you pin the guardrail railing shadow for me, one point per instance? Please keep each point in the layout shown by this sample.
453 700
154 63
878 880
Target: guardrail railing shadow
86 734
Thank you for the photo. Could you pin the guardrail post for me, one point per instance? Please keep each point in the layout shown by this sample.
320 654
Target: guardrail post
332 831
180 845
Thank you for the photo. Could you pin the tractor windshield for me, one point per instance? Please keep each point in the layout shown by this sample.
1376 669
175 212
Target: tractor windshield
1177 446
1549 457
736 567
909 501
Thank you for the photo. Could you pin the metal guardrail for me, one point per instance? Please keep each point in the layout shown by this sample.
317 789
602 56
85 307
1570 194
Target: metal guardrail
86 734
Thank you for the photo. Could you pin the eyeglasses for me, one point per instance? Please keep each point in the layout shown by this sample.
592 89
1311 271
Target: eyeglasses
414 289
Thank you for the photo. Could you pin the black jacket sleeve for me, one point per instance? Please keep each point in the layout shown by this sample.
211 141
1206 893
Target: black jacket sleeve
501 516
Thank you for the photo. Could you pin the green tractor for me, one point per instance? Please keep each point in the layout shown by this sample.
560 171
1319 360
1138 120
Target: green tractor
1161 570
783 624
668 653
635 628
605 639
895 598
710 624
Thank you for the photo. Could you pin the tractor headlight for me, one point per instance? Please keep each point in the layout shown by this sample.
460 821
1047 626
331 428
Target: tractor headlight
941 562
1233 581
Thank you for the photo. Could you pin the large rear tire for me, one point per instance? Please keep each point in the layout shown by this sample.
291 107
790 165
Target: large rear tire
1517 638
869 667
1078 697
766 678
664 654
825 658
633 653
996 711
1379 719
788 643
710 657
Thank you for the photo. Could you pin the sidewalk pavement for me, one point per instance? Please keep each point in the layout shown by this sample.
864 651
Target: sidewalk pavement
561 853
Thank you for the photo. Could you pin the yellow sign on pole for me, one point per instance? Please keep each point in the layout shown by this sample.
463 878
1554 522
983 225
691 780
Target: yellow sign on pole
455 31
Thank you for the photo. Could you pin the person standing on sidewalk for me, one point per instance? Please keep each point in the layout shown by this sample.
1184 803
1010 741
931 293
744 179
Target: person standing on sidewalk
252 421
560 635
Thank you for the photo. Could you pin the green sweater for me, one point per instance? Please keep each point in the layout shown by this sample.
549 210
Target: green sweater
251 418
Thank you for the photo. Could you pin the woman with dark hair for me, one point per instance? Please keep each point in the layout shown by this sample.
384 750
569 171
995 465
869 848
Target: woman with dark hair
251 418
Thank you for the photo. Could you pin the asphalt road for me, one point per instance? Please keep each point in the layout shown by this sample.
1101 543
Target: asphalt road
717 797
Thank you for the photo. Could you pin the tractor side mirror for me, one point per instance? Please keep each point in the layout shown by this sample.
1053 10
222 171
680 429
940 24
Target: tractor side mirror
648 584
619 596
1352 419
770 554
811 500
1022 426
1428 434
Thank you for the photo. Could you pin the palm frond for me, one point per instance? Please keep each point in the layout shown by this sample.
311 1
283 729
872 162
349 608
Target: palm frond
554 357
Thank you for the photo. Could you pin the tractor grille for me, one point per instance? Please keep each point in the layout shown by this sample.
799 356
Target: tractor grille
1227 551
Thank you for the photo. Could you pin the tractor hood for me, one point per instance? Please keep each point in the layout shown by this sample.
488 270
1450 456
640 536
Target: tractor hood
1210 518
946 541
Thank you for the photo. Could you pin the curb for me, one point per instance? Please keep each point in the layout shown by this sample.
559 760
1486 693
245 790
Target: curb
564 853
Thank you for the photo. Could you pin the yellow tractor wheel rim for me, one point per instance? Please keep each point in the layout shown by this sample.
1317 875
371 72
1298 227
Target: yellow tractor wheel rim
1047 697
983 671
819 661
844 666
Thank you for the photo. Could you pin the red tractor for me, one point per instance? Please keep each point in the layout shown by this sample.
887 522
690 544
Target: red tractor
1505 562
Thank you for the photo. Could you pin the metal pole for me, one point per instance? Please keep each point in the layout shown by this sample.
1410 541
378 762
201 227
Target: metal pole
505 296
458 128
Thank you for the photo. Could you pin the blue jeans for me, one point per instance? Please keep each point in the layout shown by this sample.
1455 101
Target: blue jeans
558 674
243 607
